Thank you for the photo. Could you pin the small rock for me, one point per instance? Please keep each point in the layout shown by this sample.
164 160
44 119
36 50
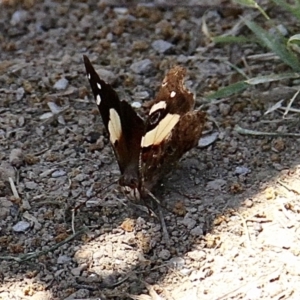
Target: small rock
21 226
208 139
92 137
5 207
241 171
58 173
248 203
121 10
77 271
141 95
188 222
31 185
182 59
164 254
18 17
107 76
16 157
80 177
63 259
197 255
281 28
80 294
97 255
216 184
186 271
136 104
142 66
161 46
20 93
177 262
61 84
58 273
83 256
224 109
197 231
6 171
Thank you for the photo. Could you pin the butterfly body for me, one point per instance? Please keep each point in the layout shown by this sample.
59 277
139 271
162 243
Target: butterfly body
147 150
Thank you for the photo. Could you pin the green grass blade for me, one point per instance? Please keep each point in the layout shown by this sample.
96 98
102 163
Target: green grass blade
228 90
272 77
275 44
293 9
252 3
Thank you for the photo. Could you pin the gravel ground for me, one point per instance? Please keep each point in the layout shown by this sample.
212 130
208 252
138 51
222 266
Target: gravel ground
232 207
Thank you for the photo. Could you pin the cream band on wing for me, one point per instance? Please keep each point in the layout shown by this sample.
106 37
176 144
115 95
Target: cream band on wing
114 126
161 131
98 99
157 106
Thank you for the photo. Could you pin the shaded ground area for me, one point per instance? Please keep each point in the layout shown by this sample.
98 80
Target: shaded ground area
232 207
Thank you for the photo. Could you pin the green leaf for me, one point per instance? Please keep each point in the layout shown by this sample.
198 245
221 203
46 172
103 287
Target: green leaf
228 90
275 44
294 43
272 77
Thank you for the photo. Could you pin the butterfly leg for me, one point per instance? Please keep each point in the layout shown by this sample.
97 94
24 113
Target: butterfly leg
166 235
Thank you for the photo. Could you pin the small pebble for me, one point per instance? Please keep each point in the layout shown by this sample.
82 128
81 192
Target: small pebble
58 173
21 226
16 158
164 254
76 271
208 139
161 46
197 231
248 203
141 95
197 255
63 259
18 17
182 59
20 93
186 272
142 66
80 177
136 104
189 222
177 262
31 185
61 84
107 76
224 109
121 10
241 171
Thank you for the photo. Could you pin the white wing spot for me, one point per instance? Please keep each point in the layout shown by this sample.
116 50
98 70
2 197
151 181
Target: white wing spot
161 131
164 83
88 76
157 106
173 94
99 85
114 126
98 99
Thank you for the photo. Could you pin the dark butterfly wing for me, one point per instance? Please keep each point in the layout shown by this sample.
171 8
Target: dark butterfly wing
172 128
124 126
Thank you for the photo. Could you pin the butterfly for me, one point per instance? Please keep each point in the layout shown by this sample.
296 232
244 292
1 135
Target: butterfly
146 150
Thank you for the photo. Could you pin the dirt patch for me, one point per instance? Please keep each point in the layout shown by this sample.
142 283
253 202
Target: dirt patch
232 207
